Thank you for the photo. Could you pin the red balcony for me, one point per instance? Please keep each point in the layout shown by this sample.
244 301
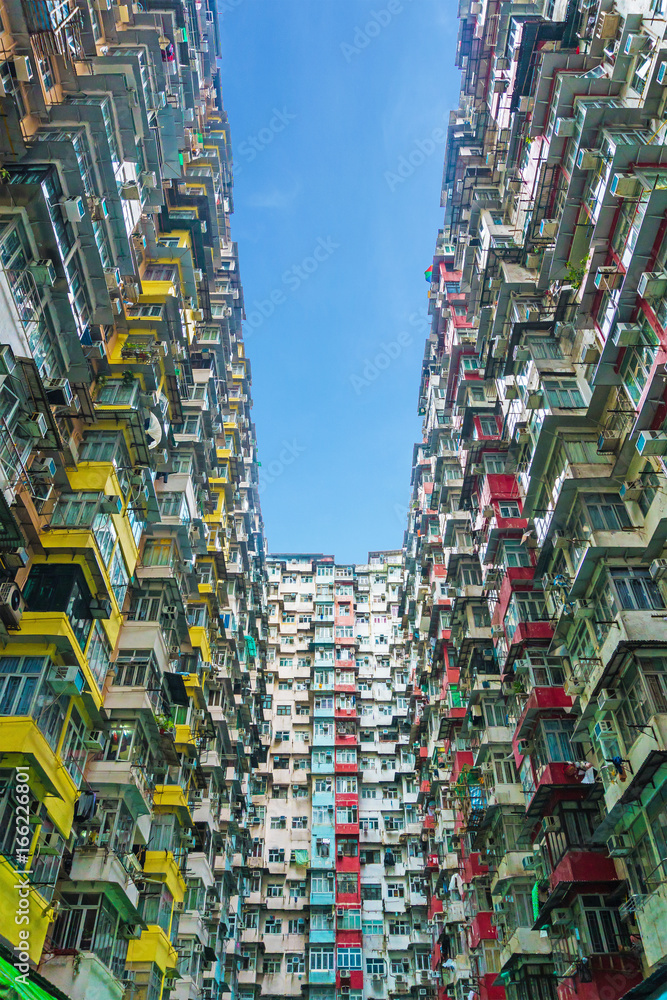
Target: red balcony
556 781
432 863
612 977
462 759
584 868
435 905
538 632
473 868
341 768
428 823
482 928
487 989
354 979
542 700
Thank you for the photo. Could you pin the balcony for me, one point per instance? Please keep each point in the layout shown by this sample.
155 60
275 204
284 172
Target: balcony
524 941
124 778
99 865
82 976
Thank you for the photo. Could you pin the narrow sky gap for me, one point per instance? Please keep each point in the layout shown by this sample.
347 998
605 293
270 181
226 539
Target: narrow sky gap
329 109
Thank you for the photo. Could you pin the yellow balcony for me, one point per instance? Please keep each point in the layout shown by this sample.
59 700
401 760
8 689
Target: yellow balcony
199 637
171 799
17 904
152 947
185 741
22 744
164 865
53 630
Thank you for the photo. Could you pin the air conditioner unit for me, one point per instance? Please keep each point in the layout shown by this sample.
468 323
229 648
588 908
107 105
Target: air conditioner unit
345 991
652 443
179 906
45 467
43 271
573 688
583 610
130 191
607 278
564 127
608 701
11 605
551 824
658 569
74 209
497 631
199 274
549 228
170 612
620 845
148 178
652 284
524 747
661 75
58 391
588 159
604 730
634 43
35 425
95 740
67 680
560 917
111 505
627 334
625 186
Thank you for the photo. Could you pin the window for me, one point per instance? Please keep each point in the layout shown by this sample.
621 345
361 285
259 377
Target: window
399 966
372 927
323 785
346 814
346 883
488 427
606 511
345 756
368 792
284 710
278 823
299 822
395 890
349 920
563 394
509 508
322 884
321 959
375 967
271 965
346 786
636 589
273 925
274 890
297 926
297 890
371 890
399 925
295 963
276 855
349 958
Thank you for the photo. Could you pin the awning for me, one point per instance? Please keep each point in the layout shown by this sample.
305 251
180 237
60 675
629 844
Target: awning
28 989
176 688
653 988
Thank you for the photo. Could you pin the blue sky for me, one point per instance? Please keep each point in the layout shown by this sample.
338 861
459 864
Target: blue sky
337 111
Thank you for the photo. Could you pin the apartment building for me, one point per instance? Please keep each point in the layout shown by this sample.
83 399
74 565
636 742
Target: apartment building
132 635
534 599
335 902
